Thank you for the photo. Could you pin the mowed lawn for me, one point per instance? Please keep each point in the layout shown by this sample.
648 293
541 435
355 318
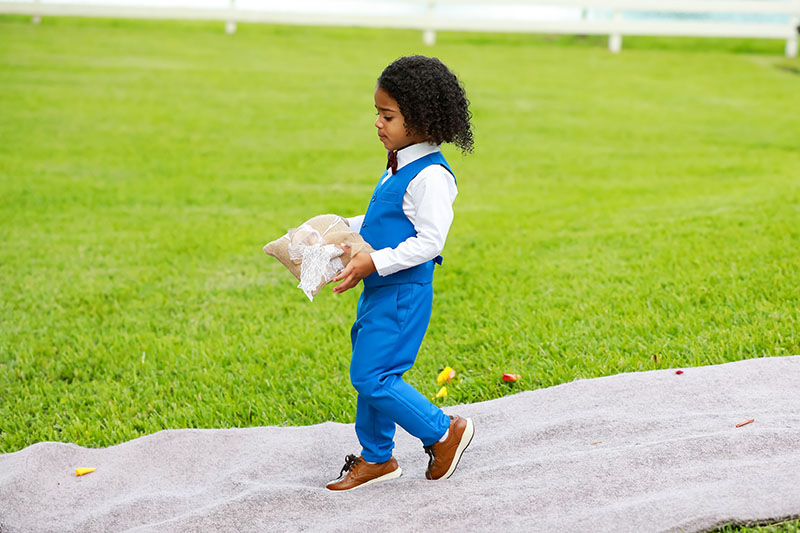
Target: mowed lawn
620 213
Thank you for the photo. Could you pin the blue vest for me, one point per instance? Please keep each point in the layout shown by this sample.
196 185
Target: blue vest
386 225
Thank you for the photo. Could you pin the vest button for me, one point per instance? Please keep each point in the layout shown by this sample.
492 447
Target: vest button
373 198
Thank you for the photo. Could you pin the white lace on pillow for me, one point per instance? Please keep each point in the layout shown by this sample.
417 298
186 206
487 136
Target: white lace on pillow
318 262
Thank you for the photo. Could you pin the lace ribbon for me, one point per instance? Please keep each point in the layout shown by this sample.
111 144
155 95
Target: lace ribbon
319 263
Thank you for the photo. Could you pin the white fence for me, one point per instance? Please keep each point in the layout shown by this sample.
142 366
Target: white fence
431 17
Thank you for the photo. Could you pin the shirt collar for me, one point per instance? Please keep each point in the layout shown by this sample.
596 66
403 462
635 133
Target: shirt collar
409 154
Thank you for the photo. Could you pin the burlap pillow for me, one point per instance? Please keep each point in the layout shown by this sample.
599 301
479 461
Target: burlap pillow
307 239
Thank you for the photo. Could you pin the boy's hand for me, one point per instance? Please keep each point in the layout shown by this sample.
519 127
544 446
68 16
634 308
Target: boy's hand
359 267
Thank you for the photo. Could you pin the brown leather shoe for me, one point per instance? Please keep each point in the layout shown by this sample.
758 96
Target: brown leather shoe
356 472
444 456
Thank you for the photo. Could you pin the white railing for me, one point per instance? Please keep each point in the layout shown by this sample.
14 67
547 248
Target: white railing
430 18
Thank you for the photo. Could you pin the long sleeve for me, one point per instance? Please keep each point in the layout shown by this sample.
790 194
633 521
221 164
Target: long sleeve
355 223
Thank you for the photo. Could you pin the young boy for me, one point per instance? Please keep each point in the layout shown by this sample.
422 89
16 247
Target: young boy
420 104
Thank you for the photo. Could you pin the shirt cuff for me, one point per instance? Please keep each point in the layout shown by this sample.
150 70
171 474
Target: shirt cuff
383 263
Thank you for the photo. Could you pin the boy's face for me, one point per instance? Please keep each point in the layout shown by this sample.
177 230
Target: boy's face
391 124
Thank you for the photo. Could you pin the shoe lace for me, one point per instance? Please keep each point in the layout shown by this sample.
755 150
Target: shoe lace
350 461
431 458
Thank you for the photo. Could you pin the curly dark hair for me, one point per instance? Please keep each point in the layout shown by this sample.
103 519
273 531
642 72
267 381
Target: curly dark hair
431 99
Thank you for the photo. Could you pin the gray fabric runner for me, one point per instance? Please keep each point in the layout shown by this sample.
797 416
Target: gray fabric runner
648 451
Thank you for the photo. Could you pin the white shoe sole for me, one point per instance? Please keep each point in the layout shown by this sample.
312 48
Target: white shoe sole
386 477
466 439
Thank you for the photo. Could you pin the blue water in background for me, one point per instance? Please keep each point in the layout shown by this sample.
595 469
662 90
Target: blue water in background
490 10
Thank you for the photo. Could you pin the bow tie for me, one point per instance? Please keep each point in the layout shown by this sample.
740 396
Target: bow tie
392 161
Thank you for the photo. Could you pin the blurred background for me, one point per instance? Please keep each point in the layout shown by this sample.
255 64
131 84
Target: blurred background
708 18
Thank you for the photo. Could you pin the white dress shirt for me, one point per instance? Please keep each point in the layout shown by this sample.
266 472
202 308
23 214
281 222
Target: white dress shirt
428 204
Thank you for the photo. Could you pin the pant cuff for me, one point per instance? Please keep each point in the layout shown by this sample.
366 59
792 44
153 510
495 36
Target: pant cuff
374 458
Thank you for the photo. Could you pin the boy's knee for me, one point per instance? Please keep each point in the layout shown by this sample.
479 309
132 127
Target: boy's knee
367 386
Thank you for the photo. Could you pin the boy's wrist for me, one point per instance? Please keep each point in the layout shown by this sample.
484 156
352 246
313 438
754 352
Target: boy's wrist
371 265
363 264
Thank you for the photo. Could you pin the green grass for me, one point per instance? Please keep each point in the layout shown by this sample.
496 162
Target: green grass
616 207
792 526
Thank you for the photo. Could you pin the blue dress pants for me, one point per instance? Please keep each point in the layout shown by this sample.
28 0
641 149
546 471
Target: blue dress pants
391 322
